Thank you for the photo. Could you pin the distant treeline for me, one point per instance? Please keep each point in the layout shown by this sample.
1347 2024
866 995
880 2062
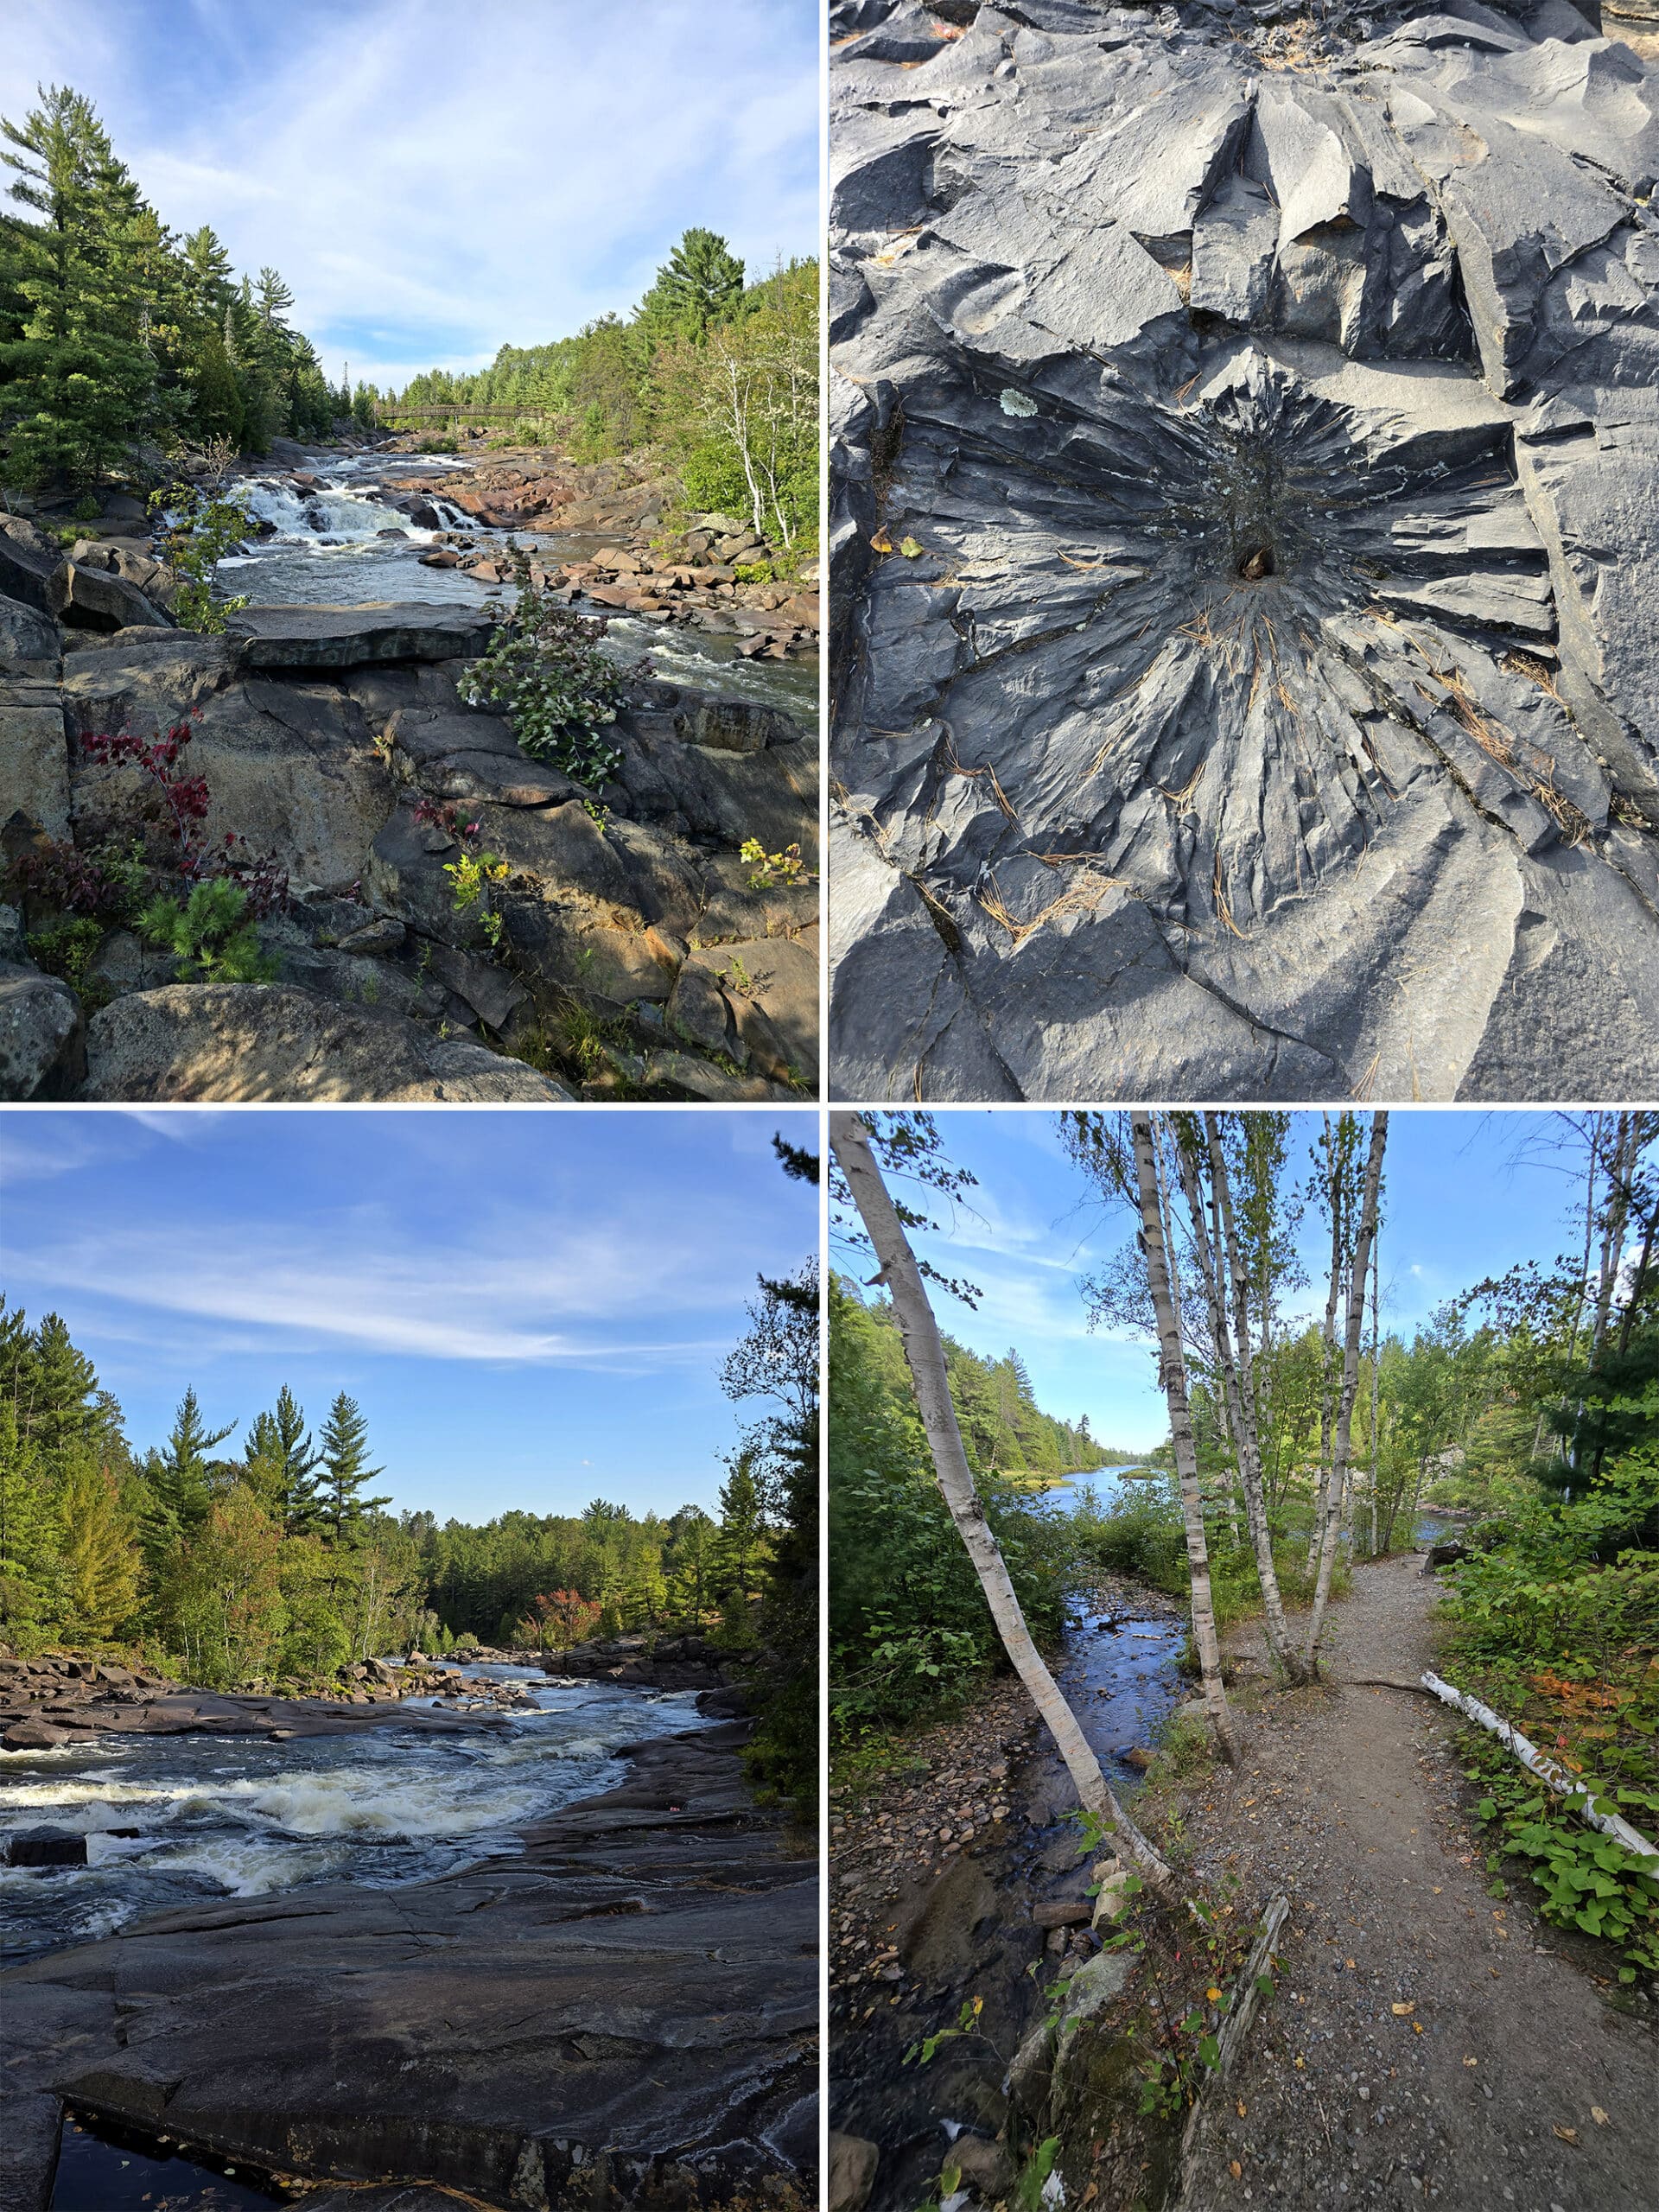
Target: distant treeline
718 375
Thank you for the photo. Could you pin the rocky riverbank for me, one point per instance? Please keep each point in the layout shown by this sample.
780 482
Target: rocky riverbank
624 2014
624 949
958 1881
46 1702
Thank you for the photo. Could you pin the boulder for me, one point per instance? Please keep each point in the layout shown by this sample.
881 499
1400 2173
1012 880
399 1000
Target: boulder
356 637
46 1847
43 1038
28 564
224 1042
853 2162
33 755
33 1736
84 598
29 636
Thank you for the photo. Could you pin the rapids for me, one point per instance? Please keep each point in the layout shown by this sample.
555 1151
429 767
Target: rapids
173 1819
338 545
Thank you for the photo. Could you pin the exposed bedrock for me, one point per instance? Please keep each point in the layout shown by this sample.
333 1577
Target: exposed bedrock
1244 513
344 752
625 2014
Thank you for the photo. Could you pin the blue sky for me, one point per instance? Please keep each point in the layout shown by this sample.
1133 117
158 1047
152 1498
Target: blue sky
1466 1196
433 179
531 1308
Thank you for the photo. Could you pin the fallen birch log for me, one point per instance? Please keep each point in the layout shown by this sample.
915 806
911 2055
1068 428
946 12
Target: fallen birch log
1565 1784
1247 1994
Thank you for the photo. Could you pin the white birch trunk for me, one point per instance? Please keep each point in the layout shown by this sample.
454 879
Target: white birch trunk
1342 1438
1249 1465
1239 1412
1172 1378
924 1355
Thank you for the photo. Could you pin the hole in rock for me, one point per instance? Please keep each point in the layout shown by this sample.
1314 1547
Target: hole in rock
1257 562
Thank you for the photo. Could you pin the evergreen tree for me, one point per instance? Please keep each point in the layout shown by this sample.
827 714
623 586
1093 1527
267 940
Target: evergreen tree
30 1528
61 1381
77 378
178 1481
690 1566
342 1508
281 1465
740 1548
700 284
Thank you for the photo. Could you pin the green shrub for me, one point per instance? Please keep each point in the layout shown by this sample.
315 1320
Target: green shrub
210 935
544 665
203 528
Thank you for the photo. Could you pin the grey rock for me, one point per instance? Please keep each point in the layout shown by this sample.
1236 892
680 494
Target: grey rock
34 755
46 1846
1272 707
633 1995
42 1039
355 637
29 637
853 2162
224 1042
28 564
94 598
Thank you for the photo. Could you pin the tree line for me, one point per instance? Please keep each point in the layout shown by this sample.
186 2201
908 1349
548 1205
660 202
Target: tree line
123 343
717 375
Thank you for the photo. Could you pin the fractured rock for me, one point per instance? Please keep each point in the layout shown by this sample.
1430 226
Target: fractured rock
1243 510
354 637
42 1039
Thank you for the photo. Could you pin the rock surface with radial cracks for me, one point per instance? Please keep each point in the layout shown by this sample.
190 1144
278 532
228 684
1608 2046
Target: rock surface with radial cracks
1244 519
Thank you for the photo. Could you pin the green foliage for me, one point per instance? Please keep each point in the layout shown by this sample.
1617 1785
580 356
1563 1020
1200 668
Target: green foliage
116 334
544 666
472 876
718 379
766 869
201 530
909 1631
68 950
210 935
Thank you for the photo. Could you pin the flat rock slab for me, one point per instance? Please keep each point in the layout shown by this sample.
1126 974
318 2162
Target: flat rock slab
625 2014
356 637
221 1043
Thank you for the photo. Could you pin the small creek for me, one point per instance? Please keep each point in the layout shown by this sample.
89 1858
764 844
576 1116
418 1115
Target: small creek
172 1819
338 545
973 1936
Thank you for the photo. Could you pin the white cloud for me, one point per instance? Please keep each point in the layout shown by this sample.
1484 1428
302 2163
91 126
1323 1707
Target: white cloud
431 188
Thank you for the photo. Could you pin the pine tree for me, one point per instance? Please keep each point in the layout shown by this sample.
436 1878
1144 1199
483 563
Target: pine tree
60 1382
79 374
690 1565
341 1508
281 1465
179 1485
700 284
740 1548
29 1528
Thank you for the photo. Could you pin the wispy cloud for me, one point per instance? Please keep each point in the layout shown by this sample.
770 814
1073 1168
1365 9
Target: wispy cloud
430 188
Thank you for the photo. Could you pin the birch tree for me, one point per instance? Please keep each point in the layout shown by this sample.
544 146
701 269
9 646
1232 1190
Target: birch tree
1172 1364
1343 1428
901 1276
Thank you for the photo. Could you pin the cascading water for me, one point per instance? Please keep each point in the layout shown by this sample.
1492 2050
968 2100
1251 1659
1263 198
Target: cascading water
337 543
183 1817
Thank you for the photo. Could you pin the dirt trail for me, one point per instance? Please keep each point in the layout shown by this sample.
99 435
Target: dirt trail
1347 1799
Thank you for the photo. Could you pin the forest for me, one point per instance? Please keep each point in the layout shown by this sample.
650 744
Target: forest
1305 1439
276 1563
121 342
717 375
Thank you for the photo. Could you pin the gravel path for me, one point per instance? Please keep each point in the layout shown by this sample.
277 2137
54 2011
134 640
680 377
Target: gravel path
1513 2079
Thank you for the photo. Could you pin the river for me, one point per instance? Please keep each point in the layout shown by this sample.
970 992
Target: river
338 545
172 1819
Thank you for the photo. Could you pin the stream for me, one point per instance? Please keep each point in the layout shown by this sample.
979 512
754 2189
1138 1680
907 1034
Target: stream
338 545
172 1819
